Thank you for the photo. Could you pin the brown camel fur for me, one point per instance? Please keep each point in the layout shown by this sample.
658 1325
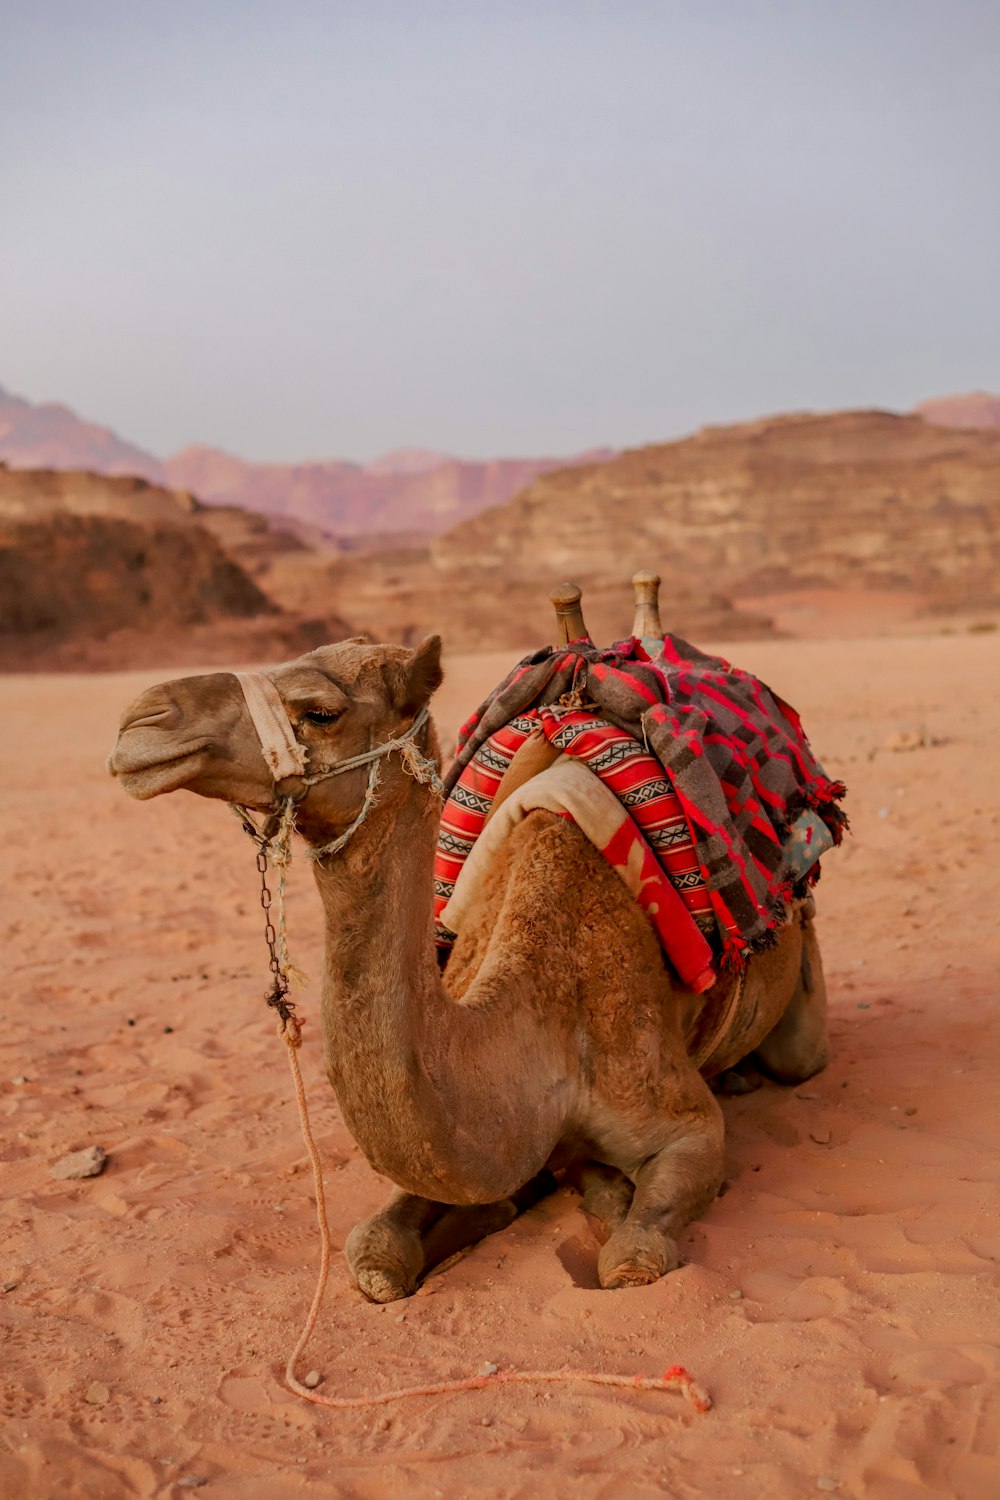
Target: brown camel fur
556 1040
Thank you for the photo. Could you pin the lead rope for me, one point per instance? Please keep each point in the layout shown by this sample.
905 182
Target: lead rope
276 845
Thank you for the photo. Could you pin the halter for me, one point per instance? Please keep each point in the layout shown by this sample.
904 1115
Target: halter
286 758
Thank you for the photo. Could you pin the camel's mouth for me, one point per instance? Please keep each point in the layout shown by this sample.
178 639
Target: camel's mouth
144 773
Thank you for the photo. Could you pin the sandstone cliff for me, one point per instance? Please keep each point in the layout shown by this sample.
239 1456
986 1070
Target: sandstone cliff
99 570
862 498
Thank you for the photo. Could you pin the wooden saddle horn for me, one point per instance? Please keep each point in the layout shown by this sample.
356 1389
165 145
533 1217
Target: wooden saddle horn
646 621
570 624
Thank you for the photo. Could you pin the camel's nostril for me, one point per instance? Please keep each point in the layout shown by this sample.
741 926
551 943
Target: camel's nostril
160 716
153 709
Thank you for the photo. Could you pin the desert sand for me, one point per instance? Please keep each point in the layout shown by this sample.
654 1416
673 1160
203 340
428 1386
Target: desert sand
839 1300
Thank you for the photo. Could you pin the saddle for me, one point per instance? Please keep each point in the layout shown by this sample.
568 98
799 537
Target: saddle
695 781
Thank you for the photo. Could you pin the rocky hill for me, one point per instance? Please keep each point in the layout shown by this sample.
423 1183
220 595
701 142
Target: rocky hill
868 503
859 499
404 595
100 570
89 574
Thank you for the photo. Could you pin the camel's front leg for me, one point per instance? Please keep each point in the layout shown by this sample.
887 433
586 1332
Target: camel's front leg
389 1253
673 1186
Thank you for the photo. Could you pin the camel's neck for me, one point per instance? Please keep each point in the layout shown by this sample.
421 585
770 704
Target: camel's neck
420 1078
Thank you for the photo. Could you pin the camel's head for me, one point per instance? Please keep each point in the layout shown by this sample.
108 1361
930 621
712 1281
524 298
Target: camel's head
197 732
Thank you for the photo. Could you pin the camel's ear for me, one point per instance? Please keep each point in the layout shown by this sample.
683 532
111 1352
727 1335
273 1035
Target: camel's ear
423 675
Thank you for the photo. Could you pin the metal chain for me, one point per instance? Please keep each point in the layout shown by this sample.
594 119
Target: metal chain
277 996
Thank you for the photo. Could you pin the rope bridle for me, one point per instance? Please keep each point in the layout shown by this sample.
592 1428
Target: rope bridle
287 759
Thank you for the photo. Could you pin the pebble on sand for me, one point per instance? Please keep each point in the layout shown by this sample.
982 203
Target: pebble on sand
487 1369
97 1394
909 739
312 1380
90 1162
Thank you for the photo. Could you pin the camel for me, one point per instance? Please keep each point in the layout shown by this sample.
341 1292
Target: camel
555 1041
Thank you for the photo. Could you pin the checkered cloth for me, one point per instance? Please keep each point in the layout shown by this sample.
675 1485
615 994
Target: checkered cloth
732 756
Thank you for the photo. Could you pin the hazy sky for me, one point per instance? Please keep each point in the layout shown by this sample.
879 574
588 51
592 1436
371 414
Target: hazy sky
331 227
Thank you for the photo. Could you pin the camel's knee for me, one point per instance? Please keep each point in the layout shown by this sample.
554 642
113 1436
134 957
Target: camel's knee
797 1046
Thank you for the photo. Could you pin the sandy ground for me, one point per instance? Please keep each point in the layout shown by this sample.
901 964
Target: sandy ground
839 1299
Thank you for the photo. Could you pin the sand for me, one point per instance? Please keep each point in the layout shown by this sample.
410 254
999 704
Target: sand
839 1299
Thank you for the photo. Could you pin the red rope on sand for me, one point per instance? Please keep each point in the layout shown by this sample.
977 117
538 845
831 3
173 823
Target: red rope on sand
674 1379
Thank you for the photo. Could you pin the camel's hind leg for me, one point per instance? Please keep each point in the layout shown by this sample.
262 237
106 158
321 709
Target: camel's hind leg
673 1186
389 1253
797 1047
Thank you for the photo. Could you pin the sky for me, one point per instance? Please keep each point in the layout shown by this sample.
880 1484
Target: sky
323 228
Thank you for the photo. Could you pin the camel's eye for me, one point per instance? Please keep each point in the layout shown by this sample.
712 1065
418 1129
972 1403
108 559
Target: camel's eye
321 716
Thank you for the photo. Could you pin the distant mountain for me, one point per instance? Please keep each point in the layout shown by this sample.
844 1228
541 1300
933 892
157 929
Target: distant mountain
408 461
353 500
54 437
977 409
411 490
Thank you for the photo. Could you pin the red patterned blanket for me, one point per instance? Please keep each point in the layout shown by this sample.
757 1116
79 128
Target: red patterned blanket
711 765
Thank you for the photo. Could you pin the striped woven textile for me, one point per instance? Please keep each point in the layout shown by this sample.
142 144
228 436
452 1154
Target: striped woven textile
631 773
637 780
467 809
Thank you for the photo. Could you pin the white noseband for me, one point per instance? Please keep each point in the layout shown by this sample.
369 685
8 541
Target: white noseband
281 750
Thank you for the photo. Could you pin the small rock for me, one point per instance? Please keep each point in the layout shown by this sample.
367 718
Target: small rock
910 1109
821 1137
487 1422
909 739
486 1369
190 1482
10 1286
401 1318
312 1380
735 1296
90 1162
801 1094
97 1394
168 1030
156 1400
826 1484
883 812
19 1079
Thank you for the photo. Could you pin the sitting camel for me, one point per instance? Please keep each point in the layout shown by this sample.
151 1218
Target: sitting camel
556 1039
